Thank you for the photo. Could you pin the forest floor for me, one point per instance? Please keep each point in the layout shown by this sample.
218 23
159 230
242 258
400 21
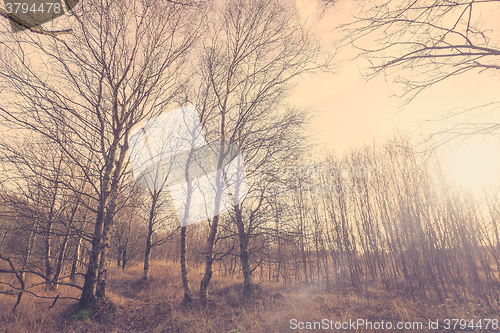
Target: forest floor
156 306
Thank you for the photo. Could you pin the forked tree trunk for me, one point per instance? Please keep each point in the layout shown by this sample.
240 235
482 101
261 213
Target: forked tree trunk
215 222
211 239
108 222
89 290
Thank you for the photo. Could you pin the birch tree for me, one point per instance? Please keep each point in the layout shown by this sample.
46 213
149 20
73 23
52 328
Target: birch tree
85 91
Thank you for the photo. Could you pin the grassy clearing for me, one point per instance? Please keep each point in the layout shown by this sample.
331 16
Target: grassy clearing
155 306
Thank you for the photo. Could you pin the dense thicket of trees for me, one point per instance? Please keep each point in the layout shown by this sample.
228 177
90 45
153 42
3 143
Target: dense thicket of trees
82 95
380 216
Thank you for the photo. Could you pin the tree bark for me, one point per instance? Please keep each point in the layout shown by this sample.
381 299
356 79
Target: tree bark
147 254
248 287
213 228
76 257
29 251
60 260
88 297
151 221
124 259
108 222
208 261
48 232
188 296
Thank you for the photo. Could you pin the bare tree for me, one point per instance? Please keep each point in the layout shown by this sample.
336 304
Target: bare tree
158 217
86 92
37 195
428 43
436 40
248 64
128 235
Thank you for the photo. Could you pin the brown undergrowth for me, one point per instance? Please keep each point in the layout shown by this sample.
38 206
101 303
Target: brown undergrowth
133 305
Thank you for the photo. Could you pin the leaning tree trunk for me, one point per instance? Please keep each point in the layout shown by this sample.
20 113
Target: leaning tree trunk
215 222
208 261
209 250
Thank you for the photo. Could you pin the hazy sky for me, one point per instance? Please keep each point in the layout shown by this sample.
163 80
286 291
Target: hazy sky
351 111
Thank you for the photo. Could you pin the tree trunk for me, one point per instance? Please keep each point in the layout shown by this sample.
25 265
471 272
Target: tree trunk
147 254
278 240
103 260
88 297
76 256
211 238
124 259
29 251
48 232
119 259
48 261
152 212
248 287
60 259
208 261
215 222
188 296
110 212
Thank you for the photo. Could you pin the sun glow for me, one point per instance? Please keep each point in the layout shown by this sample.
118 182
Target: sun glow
476 166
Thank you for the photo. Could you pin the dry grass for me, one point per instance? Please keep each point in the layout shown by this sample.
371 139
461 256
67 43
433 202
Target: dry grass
155 306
